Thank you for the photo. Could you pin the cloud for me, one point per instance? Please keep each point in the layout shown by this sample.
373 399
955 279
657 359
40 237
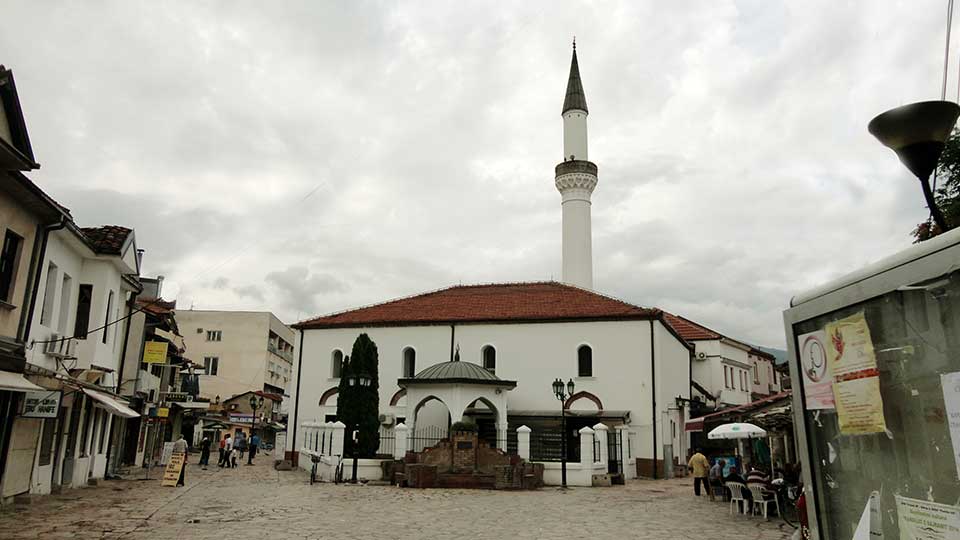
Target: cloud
321 156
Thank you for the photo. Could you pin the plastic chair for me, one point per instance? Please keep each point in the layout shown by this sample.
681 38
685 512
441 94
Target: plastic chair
736 497
762 498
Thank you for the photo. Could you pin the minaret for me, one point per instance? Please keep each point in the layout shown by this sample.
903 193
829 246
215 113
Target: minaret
576 178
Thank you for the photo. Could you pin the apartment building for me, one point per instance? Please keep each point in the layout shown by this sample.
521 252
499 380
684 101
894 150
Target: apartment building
240 351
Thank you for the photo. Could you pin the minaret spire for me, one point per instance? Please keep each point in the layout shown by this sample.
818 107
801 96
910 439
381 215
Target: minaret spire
576 178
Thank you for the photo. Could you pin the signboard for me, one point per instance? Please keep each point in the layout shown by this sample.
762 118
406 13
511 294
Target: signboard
172 473
240 418
167 452
44 404
924 520
163 412
856 379
817 380
950 383
155 352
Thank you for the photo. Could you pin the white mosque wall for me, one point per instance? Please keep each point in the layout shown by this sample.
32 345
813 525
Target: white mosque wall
533 355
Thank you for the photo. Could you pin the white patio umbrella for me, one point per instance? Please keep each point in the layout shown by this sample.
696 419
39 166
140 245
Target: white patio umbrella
737 430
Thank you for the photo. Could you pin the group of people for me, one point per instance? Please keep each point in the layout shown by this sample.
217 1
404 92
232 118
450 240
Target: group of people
707 476
232 449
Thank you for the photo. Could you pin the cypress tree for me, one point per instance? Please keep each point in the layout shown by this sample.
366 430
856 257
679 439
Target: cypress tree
359 406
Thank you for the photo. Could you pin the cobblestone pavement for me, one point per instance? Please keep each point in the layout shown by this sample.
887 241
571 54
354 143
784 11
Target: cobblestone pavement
259 502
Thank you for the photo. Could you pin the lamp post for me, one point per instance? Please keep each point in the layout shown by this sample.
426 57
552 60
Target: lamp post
363 380
558 391
918 133
254 404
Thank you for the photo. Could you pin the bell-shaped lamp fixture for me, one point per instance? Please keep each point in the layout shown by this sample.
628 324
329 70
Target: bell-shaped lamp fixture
918 133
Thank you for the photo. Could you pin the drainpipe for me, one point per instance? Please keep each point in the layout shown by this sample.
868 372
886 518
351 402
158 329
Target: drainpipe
453 333
296 402
33 277
653 392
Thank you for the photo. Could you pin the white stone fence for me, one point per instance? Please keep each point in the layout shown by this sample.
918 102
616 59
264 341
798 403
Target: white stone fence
325 443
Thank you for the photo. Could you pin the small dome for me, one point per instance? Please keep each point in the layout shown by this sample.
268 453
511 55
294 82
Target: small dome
456 370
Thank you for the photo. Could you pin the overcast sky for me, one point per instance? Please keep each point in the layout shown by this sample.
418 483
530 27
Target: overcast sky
306 158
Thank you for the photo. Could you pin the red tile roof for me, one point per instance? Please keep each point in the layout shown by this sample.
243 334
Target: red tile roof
506 302
690 330
107 239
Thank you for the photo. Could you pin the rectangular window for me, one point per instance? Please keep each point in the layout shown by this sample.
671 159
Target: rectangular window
82 323
726 382
87 423
49 295
46 441
214 335
106 318
64 304
210 364
9 259
104 426
756 374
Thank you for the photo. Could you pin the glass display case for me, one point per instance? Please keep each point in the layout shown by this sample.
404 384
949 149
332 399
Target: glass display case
875 371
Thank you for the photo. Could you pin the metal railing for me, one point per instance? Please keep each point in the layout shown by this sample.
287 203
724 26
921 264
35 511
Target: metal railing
426 437
388 442
546 446
596 449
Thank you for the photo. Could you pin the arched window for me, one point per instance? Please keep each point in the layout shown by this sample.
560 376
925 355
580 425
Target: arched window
336 362
409 362
490 359
585 361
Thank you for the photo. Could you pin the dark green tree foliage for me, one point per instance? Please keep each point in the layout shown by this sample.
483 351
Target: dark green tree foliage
947 194
359 406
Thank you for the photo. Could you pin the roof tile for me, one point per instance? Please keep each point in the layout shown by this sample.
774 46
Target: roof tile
505 302
107 239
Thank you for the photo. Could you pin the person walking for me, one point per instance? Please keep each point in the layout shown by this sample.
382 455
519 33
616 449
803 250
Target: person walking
205 452
240 443
180 447
233 458
700 466
226 445
254 445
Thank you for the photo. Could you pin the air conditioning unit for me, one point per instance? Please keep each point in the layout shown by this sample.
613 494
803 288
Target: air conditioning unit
52 346
69 349
387 419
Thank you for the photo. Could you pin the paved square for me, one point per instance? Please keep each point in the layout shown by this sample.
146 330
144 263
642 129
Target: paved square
258 502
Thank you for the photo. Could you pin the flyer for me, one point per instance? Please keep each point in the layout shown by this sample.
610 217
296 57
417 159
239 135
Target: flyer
856 379
924 520
950 383
817 381
870 526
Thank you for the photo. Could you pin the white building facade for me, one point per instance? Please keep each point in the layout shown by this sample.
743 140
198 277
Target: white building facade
77 336
628 366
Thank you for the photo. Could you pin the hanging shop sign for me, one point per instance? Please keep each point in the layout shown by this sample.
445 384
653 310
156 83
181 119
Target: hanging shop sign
817 380
856 379
155 352
240 418
45 404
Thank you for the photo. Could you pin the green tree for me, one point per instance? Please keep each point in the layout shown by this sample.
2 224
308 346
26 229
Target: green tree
947 193
359 406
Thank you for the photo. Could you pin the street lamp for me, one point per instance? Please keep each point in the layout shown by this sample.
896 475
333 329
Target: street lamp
363 380
254 404
918 133
558 391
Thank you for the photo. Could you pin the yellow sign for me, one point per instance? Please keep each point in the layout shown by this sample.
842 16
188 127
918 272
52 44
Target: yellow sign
155 352
856 379
163 412
172 473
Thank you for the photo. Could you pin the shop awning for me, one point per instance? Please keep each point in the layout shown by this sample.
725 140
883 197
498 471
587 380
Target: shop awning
112 404
14 382
694 424
192 404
